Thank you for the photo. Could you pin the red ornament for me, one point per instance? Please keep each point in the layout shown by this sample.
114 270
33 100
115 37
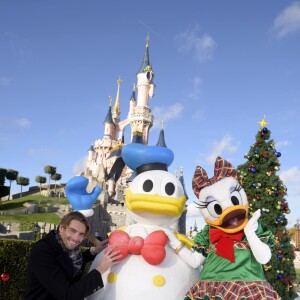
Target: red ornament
5 276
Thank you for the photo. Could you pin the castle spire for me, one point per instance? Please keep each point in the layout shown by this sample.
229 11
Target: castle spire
181 179
116 109
161 140
146 66
133 92
108 118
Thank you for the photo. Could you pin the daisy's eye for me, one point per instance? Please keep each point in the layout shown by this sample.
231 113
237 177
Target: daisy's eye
236 198
214 208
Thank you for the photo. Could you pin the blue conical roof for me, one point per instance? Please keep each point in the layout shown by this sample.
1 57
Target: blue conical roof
108 118
161 139
91 148
146 66
183 185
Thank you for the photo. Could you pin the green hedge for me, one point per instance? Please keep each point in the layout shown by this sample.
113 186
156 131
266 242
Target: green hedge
14 256
13 260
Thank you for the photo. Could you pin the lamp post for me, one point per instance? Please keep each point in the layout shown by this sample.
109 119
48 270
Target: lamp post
297 234
42 231
8 228
35 229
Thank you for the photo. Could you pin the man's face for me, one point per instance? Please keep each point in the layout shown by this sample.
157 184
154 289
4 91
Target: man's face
73 234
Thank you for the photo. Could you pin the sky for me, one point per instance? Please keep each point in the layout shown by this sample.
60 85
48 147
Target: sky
220 67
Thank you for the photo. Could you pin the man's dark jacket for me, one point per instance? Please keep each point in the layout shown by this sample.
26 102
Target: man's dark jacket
50 273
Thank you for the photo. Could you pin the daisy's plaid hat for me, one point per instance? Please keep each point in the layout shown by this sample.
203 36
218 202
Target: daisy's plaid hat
222 169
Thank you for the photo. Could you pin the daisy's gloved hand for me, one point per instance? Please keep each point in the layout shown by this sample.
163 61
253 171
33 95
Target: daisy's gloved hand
260 250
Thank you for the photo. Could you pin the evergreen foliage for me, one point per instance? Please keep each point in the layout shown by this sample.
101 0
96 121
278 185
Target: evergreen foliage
41 180
51 171
4 190
266 191
22 181
56 177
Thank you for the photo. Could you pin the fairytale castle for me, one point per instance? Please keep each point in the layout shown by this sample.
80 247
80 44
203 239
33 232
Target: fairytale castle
110 213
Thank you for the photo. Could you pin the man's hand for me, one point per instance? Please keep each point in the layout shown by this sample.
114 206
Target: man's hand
109 259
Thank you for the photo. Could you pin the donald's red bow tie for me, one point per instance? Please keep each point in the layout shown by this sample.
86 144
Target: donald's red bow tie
224 242
152 248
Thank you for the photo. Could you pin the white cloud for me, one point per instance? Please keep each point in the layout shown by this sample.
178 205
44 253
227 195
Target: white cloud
197 83
79 166
290 175
194 216
218 147
166 114
282 144
22 123
20 46
5 81
288 21
193 210
201 47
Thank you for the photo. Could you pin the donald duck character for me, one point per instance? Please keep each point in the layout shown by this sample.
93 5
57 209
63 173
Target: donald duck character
233 246
150 268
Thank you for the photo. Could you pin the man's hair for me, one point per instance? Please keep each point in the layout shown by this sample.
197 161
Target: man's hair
75 215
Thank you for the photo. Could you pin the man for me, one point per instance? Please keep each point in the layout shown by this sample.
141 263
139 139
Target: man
56 263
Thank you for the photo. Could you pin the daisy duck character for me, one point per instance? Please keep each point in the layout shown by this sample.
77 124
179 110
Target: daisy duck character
234 247
150 268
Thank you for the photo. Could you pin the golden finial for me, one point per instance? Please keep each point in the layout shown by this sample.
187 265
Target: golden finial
110 100
147 40
263 122
119 81
116 108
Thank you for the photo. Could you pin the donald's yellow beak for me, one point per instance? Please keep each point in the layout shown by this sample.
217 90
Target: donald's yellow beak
155 204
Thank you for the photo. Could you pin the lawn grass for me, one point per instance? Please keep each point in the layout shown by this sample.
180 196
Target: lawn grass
18 203
36 217
52 218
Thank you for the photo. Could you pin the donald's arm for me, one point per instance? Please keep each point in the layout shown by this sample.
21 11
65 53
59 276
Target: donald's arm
194 259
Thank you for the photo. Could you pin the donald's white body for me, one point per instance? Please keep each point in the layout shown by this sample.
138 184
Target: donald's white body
136 278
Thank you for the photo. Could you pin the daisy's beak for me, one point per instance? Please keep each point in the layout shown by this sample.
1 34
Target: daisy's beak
233 219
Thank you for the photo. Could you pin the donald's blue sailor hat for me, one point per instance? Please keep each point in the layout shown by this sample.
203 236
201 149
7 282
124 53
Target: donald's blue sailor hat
141 158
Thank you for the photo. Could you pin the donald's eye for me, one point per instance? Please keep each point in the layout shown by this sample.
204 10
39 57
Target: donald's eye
170 188
148 185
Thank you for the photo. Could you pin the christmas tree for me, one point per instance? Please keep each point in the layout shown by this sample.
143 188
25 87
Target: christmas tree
265 191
